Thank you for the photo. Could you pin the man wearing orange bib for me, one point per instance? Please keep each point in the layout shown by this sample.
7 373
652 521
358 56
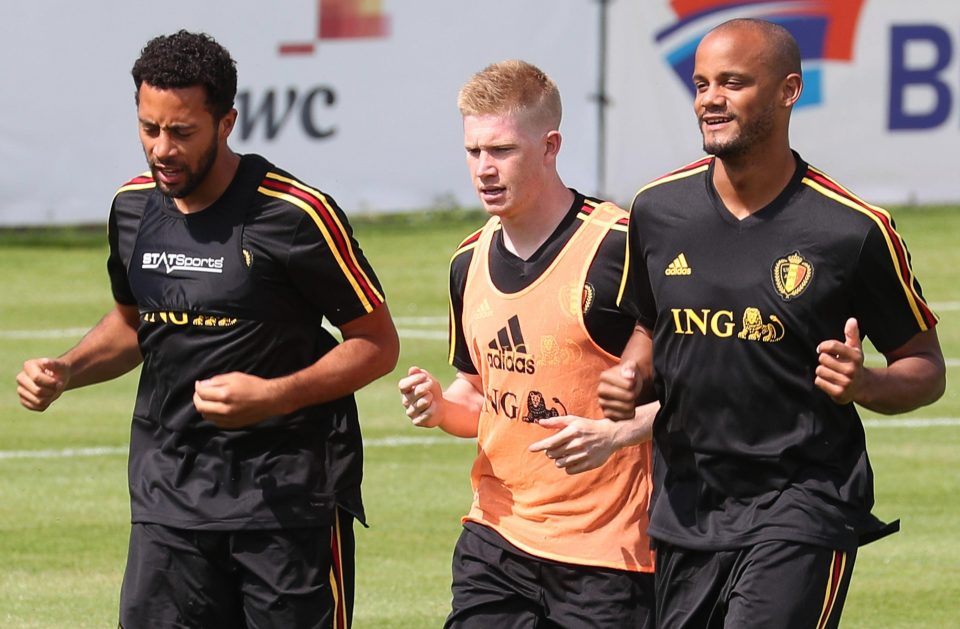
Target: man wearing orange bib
556 534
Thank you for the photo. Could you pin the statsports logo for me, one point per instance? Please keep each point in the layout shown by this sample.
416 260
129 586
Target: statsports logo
343 19
825 30
181 262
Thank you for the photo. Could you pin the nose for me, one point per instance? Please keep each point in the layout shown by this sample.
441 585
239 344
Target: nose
164 147
485 165
711 96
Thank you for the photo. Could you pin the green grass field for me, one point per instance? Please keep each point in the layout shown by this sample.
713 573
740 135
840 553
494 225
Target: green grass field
63 502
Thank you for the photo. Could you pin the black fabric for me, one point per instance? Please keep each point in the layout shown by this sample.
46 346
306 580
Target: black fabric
774 584
747 448
237 579
242 286
605 323
496 585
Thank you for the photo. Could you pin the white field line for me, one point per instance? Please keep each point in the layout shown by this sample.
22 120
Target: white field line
412 330
402 442
405 333
67 453
906 422
42 334
409 331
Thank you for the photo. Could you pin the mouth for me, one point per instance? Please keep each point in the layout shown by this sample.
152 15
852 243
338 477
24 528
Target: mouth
490 193
714 121
168 175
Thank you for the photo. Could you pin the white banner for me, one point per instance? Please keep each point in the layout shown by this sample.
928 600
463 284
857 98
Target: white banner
358 97
363 108
881 106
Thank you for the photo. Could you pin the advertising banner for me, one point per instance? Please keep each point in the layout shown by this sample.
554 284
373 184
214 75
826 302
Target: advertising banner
358 97
355 97
880 110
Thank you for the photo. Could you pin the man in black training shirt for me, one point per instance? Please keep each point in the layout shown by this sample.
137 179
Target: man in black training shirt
245 450
753 276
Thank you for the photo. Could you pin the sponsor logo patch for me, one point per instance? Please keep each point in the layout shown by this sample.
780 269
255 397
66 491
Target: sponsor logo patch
181 262
756 329
508 351
679 266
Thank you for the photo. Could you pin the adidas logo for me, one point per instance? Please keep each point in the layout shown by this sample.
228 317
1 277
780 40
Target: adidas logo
508 351
483 311
679 266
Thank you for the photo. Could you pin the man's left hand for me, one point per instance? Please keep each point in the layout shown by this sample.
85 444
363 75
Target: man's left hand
580 445
841 372
233 400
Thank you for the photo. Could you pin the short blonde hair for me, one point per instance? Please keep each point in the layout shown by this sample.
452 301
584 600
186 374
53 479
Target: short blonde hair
512 87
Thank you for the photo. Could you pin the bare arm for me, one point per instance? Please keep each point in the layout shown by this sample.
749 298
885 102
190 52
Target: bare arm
107 351
455 411
914 375
583 444
630 383
369 350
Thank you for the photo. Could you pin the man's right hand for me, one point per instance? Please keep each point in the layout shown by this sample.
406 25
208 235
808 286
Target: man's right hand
618 391
421 396
41 381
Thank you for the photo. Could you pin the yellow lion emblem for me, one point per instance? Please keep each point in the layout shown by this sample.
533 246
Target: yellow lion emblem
754 329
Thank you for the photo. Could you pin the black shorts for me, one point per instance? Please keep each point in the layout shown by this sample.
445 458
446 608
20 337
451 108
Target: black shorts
773 584
496 587
177 578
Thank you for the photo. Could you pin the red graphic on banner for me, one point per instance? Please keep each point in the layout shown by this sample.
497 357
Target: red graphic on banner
343 19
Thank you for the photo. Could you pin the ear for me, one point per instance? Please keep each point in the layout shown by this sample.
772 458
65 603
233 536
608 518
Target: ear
552 141
791 89
225 128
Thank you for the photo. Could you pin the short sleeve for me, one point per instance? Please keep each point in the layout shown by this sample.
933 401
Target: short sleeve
328 267
121 246
608 325
459 349
636 294
889 303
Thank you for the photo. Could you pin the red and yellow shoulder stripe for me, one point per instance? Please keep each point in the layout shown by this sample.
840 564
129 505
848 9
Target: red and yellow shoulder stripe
590 206
468 243
143 181
899 255
693 168
318 208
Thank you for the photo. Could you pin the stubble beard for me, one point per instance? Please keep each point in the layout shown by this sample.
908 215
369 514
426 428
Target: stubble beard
742 143
193 177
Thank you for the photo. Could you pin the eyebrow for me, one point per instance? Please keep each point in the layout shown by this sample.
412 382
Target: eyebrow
177 126
725 75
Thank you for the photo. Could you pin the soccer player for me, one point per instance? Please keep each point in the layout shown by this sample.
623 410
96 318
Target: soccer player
556 532
753 277
245 449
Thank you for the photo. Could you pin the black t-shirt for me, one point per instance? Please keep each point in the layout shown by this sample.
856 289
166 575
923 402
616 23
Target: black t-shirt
606 324
747 448
243 285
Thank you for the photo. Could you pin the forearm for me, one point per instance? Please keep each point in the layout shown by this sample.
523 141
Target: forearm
107 351
459 409
638 430
639 352
347 368
903 386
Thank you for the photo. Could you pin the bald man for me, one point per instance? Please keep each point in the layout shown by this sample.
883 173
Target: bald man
753 277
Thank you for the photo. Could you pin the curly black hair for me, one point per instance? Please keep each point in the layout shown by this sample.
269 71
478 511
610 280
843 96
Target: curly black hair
186 59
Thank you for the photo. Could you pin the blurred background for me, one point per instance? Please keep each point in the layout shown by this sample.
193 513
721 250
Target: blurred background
358 97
